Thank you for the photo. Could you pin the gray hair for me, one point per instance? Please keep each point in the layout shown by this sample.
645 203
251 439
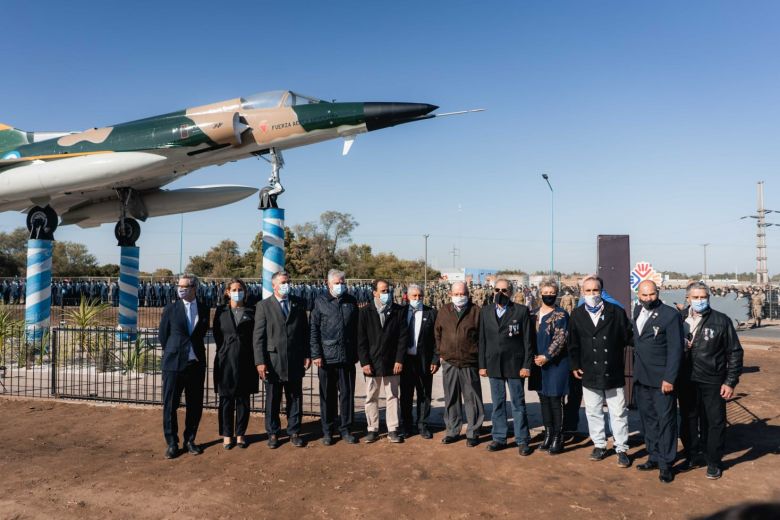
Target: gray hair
465 286
334 274
592 277
191 277
696 285
508 284
414 286
277 274
549 282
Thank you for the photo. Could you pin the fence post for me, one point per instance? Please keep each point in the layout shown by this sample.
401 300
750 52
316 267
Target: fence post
53 365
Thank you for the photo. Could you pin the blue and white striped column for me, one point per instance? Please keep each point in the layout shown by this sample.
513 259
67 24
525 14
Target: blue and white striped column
128 293
37 313
273 246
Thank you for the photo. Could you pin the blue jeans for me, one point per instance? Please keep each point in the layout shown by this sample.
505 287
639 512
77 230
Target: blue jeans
519 416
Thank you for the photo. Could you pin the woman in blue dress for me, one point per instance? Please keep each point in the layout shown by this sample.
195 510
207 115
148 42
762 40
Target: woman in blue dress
552 324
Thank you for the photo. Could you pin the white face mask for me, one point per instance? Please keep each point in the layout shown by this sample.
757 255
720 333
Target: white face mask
237 296
592 300
284 289
337 289
416 304
460 301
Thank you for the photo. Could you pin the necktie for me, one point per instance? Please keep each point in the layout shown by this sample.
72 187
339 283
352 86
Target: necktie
284 308
412 329
191 317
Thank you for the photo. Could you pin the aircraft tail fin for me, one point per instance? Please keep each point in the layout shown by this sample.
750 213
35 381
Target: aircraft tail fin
10 139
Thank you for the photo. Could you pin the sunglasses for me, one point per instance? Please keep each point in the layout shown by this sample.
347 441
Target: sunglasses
497 290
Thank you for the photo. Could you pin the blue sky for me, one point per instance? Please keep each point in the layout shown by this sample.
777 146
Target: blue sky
652 119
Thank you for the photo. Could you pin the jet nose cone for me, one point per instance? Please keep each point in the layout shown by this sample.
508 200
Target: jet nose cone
383 115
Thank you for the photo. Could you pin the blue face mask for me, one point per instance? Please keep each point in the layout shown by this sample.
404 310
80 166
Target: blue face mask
416 304
182 292
237 296
337 290
384 298
700 305
284 289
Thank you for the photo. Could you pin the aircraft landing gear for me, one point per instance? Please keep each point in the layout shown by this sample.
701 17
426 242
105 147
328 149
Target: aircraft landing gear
127 231
269 193
41 222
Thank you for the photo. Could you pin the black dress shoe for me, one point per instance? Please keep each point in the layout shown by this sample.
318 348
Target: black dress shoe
349 438
449 439
714 472
273 442
425 433
623 459
172 451
665 476
243 445
372 437
472 442
327 440
496 446
395 437
228 446
598 453
524 449
647 466
193 448
297 441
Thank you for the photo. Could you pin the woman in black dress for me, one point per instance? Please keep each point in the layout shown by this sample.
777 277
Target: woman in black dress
235 375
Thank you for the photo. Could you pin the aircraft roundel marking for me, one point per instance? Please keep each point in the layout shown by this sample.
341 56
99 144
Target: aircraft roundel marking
264 126
12 155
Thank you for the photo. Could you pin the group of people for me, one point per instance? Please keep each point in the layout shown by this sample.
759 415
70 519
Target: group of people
691 357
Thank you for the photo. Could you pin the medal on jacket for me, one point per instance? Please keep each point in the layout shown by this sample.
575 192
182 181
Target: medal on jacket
708 333
656 328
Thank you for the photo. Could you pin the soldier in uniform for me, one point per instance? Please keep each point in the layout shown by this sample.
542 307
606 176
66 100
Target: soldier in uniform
757 307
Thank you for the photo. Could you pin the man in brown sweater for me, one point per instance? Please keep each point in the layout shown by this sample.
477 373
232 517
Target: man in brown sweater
457 345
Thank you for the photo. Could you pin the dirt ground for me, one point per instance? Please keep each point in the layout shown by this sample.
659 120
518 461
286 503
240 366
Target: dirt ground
76 460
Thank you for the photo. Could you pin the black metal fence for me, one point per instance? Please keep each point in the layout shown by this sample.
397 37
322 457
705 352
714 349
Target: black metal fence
98 364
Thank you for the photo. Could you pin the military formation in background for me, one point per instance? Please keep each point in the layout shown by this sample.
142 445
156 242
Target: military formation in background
161 292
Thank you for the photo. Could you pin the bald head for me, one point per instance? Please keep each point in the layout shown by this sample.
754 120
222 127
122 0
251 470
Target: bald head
648 293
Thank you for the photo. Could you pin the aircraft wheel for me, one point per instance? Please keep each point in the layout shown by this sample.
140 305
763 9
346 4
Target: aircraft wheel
42 222
128 233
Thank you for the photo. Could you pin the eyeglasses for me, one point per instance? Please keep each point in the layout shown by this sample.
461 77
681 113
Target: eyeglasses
502 290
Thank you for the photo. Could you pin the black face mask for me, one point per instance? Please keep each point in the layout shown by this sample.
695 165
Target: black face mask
549 299
650 305
501 299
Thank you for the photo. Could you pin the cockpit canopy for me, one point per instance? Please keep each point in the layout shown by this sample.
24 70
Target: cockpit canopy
276 98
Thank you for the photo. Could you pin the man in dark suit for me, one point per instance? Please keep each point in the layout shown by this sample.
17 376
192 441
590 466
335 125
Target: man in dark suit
505 357
282 356
599 332
658 350
382 341
183 325
420 363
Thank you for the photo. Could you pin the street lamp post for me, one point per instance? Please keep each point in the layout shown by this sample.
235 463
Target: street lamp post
552 224
425 268
704 277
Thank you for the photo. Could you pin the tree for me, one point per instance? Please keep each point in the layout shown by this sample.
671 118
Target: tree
13 252
221 261
337 227
72 259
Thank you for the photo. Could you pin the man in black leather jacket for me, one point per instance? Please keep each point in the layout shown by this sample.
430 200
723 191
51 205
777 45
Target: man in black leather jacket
333 340
710 371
